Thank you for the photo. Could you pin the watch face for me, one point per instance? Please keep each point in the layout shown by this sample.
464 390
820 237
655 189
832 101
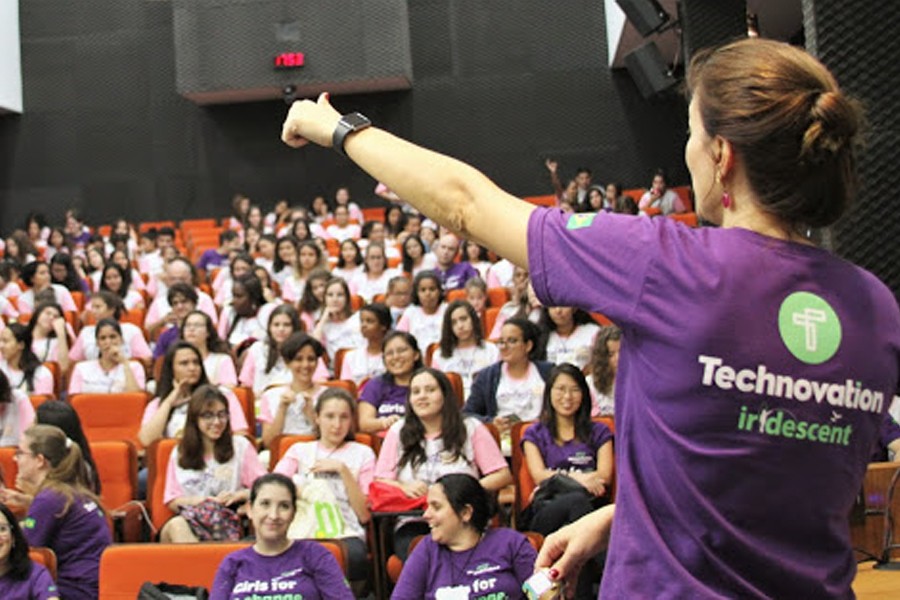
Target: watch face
356 120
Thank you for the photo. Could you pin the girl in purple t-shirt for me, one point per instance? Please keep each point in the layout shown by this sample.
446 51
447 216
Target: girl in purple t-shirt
64 514
276 565
382 401
566 441
21 578
462 558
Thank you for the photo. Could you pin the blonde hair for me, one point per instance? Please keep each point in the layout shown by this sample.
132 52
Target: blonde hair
68 473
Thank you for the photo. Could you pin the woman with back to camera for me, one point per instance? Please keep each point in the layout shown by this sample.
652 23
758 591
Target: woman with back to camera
20 577
771 154
462 557
65 515
303 567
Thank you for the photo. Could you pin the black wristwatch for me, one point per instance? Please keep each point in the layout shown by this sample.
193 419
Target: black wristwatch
348 124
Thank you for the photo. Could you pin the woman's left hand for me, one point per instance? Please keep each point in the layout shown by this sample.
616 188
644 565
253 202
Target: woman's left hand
59 327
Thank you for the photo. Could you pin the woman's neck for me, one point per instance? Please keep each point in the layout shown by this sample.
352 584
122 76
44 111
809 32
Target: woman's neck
467 539
469 342
518 369
14 361
203 349
209 446
374 346
331 444
565 428
433 425
565 329
272 547
430 310
299 385
106 363
402 379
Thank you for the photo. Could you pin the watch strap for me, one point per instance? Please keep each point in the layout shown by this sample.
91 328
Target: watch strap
348 124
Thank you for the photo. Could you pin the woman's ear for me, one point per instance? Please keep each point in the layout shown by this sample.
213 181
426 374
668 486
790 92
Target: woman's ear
465 515
724 155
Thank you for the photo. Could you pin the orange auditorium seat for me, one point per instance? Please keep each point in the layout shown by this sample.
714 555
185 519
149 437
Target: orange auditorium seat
459 294
157 457
111 416
125 567
117 466
283 442
497 296
490 317
44 556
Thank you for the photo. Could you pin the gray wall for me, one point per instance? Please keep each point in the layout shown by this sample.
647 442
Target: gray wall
498 83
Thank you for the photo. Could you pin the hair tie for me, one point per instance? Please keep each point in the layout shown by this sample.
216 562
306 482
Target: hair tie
68 443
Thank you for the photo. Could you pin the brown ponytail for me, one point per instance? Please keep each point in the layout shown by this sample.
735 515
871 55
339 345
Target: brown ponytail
68 471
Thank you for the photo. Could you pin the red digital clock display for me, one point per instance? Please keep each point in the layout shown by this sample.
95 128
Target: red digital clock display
289 60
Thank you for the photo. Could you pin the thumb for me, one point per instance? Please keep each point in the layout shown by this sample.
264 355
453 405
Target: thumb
324 99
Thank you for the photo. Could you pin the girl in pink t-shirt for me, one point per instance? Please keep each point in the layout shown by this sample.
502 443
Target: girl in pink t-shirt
209 464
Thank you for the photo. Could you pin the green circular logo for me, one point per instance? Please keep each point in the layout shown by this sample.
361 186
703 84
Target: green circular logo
809 327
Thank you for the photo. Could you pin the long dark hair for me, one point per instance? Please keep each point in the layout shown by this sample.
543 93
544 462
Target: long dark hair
167 373
277 263
407 261
190 448
422 276
213 342
341 263
530 333
38 310
602 373
582 415
126 279
453 428
308 301
254 290
579 317
112 301
28 360
449 341
19 562
271 345
62 415
71 281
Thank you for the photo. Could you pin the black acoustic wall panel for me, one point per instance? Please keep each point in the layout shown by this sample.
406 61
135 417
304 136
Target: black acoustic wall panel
646 15
705 23
226 50
858 41
650 72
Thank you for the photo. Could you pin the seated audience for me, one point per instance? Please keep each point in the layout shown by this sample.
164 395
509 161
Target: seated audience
177 270
64 273
183 299
341 463
16 413
210 471
20 577
244 320
65 515
36 275
21 366
425 317
443 564
289 408
570 334
659 199
50 334
373 280
229 241
453 275
106 305
602 376
198 329
313 299
383 399
338 326
62 415
462 347
366 362
116 280
398 297
305 568
566 443
349 261
111 372
415 257
240 265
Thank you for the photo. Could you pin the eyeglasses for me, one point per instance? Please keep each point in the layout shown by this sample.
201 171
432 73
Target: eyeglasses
397 352
195 325
19 452
508 342
562 391
211 416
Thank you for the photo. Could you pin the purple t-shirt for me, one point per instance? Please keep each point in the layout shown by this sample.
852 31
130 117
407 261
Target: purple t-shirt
78 538
39 585
756 372
573 455
890 431
212 258
456 276
387 398
305 570
494 569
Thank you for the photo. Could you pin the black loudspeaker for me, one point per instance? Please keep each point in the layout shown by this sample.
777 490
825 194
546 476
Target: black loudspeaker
646 15
649 71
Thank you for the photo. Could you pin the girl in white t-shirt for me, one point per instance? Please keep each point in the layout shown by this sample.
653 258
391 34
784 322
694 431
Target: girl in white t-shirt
285 258
112 372
344 464
50 335
462 347
209 464
19 363
106 305
425 316
116 280
289 408
309 258
365 362
16 413
373 281
313 298
338 327
349 261
570 335
601 377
